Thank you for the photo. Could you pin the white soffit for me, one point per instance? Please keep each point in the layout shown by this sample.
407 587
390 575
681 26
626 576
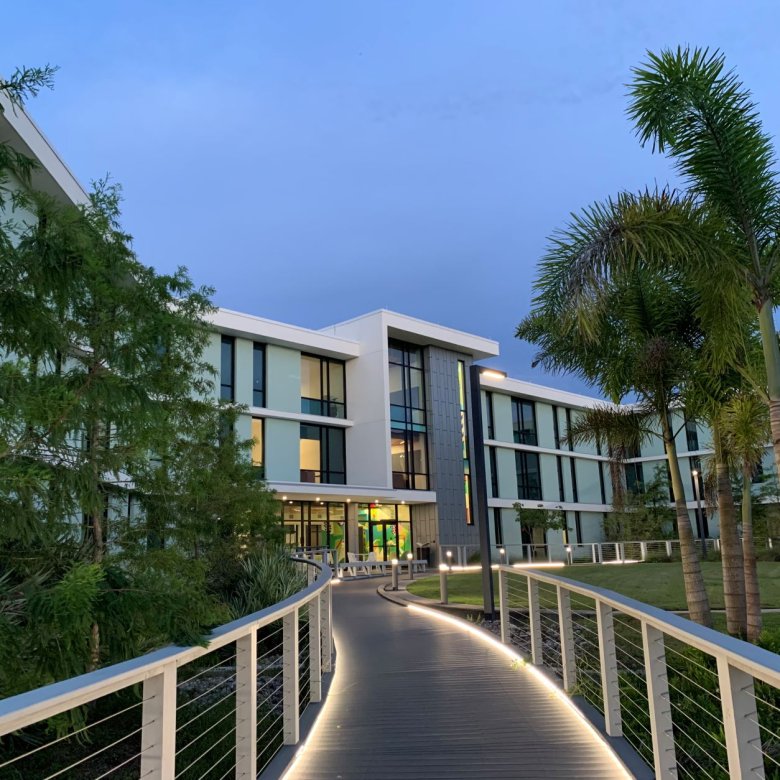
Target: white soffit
543 393
247 326
52 175
416 331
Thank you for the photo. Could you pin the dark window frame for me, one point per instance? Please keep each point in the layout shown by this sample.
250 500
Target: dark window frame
227 391
259 394
498 527
520 435
324 406
491 422
325 473
525 490
410 424
493 459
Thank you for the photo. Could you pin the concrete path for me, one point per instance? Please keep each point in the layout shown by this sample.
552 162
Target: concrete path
414 697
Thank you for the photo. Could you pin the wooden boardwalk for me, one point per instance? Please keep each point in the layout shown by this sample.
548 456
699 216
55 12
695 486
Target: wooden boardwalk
416 698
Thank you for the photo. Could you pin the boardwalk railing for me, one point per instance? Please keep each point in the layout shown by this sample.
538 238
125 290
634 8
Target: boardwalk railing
692 701
217 711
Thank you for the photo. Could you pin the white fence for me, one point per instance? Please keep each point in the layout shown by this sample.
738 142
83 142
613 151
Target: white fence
692 701
217 711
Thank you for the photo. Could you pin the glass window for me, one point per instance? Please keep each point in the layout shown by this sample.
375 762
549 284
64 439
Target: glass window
226 369
322 454
692 435
524 421
491 426
257 441
464 440
408 436
498 527
529 484
493 472
323 386
635 482
258 374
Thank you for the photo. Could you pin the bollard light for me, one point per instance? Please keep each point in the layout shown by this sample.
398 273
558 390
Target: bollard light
449 558
394 573
444 571
409 557
502 556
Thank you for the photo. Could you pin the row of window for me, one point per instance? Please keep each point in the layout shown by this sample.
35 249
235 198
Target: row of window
527 473
408 427
524 428
323 381
322 452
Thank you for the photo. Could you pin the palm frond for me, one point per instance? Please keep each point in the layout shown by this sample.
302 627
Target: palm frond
685 103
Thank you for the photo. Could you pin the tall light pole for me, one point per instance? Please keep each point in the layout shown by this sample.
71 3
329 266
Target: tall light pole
479 507
699 517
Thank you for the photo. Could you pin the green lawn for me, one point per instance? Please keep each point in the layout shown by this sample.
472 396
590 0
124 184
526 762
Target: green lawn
660 584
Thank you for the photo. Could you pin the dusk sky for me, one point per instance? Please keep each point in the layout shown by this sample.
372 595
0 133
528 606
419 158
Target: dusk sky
313 161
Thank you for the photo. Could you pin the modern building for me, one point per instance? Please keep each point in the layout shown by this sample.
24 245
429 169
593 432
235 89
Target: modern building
365 431
365 428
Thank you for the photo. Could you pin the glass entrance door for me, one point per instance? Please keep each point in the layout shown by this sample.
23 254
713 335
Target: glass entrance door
383 540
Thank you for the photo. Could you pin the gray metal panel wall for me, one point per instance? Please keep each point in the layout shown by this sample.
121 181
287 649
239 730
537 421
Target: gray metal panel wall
444 445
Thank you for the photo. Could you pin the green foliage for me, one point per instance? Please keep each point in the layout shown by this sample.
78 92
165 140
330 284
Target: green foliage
644 515
129 503
536 518
267 576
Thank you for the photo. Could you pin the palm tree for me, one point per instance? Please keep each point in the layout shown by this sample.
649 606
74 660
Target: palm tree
745 426
688 106
635 333
706 393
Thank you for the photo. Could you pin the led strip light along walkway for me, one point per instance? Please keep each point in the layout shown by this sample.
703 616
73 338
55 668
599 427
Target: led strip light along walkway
415 696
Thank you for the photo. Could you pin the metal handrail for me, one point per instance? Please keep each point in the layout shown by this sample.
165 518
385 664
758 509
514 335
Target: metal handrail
739 664
157 670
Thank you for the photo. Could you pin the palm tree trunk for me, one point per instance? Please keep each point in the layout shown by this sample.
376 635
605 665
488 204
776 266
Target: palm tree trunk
695 592
730 547
766 322
749 552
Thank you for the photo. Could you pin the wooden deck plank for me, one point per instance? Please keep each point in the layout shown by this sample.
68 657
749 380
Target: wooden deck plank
416 698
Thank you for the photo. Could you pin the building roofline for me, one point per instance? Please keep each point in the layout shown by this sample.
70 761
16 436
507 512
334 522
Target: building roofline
52 174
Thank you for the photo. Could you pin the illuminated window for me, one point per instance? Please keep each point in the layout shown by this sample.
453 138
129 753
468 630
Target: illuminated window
257 441
322 454
408 430
323 389
464 440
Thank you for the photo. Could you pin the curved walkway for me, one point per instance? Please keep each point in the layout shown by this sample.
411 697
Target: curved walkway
416 698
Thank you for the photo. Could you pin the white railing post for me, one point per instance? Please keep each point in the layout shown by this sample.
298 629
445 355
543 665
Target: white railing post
290 682
534 622
503 605
664 756
326 617
594 553
610 689
643 550
246 705
740 721
566 627
315 650
158 718
444 585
